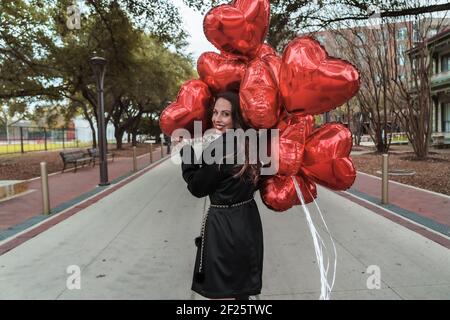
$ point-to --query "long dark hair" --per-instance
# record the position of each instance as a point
(246, 170)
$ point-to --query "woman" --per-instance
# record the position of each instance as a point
(229, 256)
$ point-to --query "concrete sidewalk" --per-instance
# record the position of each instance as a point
(137, 243)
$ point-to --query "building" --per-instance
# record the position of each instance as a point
(440, 83)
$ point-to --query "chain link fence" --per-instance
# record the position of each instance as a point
(21, 139)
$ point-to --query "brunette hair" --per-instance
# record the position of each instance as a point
(246, 170)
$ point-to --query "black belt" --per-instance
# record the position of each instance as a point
(231, 205)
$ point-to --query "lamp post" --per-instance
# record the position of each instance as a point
(98, 65)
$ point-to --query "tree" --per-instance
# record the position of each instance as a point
(40, 57)
(369, 49)
(410, 88)
(395, 90)
(153, 78)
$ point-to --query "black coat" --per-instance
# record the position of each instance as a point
(229, 256)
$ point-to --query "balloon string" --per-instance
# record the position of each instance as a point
(326, 288)
(331, 239)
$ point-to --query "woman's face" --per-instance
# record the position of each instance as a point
(222, 118)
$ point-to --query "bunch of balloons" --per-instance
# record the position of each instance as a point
(282, 92)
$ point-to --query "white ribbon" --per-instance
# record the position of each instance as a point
(325, 287)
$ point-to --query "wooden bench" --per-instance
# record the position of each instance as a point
(75, 157)
(95, 154)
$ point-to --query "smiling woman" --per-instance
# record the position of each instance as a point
(229, 256)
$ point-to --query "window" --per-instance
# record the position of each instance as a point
(402, 33)
(401, 55)
(446, 117)
(433, 117)
(445, 62)
(416, 35)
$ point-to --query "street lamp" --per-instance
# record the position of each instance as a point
(98, 65)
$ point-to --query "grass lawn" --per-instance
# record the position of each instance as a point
(37, 146)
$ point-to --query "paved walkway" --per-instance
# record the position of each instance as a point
(429, 209)
(65, 190)
(137, 243)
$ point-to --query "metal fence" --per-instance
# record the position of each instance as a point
(18, 139)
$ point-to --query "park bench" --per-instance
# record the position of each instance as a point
(94, 153)
(75, 157)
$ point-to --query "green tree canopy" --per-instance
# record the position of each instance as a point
(41, 59)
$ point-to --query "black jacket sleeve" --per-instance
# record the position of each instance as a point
(261, 180)
(201, 179)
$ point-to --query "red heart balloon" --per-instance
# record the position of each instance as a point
(232, 56)
(306, 121)
(293, 133)
(274, 62)
(326, 158)
(270, 56)
(238, 28)
(311, 82)
(192, 103)
(259, 97)
(220, 73)
(278, 192)
(264, 50)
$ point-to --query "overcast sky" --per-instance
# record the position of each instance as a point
(193, 24)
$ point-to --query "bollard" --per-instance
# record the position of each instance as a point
(45, 193)
(151, 152)
(162, 149)
(385, 180)
(45, 139)
(134, 160)
(21, 140)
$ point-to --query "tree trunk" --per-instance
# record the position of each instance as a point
(381, 147)
(118, 134)
(357, 121)
(94, 138)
